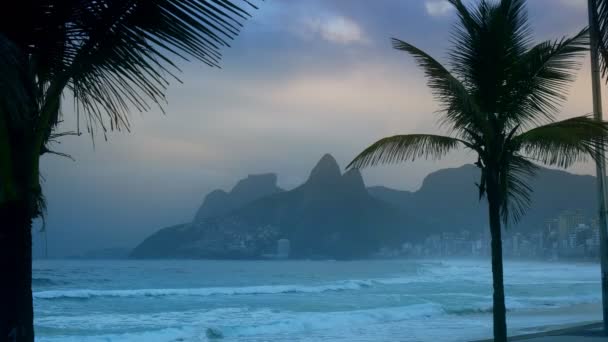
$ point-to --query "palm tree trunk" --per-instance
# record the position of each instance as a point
(600, 165)
(499, 309)
(17, 207)
(16, 309)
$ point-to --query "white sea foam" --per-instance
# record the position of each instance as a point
(205, 291)
(515, 273)
(156, 335)
(276, 323)
(243, 324)
(244, 321)
(191, 326)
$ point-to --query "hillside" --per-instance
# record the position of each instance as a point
(331, 215)
(448, 199)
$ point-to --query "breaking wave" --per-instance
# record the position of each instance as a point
(205, 291)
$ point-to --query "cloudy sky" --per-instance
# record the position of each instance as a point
(303, 79)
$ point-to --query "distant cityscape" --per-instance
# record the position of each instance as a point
(571, 235)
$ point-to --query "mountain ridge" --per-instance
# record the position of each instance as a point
(334, 215)
(328, 216)
(453, 191)
(220, 202)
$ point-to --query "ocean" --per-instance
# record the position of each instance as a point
(376, 300)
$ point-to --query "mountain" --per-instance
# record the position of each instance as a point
(220, 202)
(213, 238)
(331, 215)
(448, 199)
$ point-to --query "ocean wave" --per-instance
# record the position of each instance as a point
(205, 291)
(537, 301)
(516, 273)
(276, 323)
(486, 307)
(344, 285)
(246, 324)
(471, 311)
(401, 280)
(522, 303)
(153, 335)
(46, 282)
(234, 323)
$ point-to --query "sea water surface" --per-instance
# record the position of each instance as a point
(379, 300)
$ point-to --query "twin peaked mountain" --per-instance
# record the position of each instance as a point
(333, 215)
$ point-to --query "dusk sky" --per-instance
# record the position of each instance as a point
(303, 79)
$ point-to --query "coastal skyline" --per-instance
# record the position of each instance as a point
(299, 82)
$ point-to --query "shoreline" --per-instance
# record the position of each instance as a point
(554, 330)
(576, 318)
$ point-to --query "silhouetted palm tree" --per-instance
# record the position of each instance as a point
(598, 27)
(499, 100)
(109, 57)
(598, 21)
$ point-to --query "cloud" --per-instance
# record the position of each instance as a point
(334, 29)
(437, 8)
(578, 4)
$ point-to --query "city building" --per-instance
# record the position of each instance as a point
(567, 221)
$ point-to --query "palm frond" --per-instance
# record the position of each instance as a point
(461, 111)
(487, 43)
(401, 148)
(599, 23)
(563, 143)
(469, 21)
(516, 190)
(541, 78)
(128, 65)
(118, 56)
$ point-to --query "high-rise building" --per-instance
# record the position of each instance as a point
(551, 224)
(567, 222)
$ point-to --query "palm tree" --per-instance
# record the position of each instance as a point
(598, 27)
(499, 100)
(110, 57)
